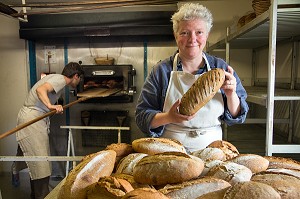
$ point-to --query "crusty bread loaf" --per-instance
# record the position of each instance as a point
(127, 164)
(131, 180)
(194, 188)
(255, 163)
(229, 149)
(209, 165)
(231, 172)
(251, 190)
(286, 185)
(203, 90)
(292, 172)
(144, 193)
(108, 187)
(121, 149)
(282, 163)
(167, 168)
(152, 146)
(87, 172)
(214, 195)
(210, 154)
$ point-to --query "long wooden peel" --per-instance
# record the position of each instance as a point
(95, 94)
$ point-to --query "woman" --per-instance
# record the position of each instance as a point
(157, 109)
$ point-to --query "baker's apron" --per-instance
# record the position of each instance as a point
(205, 127)
(34, 141)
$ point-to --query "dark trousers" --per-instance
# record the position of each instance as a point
(39, 188)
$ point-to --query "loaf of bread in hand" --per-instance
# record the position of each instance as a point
(202, 91)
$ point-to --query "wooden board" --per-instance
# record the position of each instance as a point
(54, 193)
(98, 92)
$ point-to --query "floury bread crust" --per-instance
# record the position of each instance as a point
(255, 163)
(202, 91)
(251, 190)
(167, 168)
(194, 188)
(144, 193)
(87, 172)
(153, 146)
(108, 187)
(229, 149)
(127, 164)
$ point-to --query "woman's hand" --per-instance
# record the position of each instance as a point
(172, 116)
(229, 87)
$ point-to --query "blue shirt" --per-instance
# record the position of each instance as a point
(152, 97)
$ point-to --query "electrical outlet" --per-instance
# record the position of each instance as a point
(50, 54)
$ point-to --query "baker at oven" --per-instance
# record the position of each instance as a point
(157, 108)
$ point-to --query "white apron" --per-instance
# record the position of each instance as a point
(205, 127)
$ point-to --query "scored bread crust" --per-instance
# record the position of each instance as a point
(202, 91)
(153, 146)
(167, 168)
(87, 172)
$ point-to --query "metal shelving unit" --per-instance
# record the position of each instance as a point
(279, 24)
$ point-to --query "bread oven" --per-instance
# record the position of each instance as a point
(117, 77)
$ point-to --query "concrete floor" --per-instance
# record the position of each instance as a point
(8, 191)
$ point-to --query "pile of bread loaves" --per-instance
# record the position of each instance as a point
(161, 168)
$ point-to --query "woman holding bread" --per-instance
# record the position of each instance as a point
(157, 111)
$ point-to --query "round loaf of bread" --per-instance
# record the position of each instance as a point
(286, 185)
(229, 149)
(87, 172)
(251, 190)
(210, 154)
(127, 164)
(202, 91)
(255, 163)
(167, 168)
(194, 188)
(108, 187)
(231, 172)
(282, 163)
(152, 146)
(144, 193)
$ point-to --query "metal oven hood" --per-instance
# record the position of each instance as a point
(130, 25)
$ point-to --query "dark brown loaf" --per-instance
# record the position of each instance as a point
(203, 90)
(167, 168)
(87, 172)
(251, 190)
(194, 188)
(152, 146)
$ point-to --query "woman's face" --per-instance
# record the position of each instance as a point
(191, 38)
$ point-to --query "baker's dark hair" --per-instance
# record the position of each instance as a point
(72, 69)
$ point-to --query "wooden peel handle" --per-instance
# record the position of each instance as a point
(39, 118)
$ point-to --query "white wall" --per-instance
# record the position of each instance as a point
(13, 84)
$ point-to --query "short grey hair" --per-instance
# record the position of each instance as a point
(191, 11)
